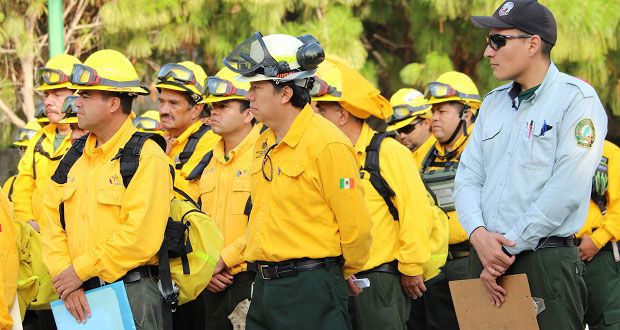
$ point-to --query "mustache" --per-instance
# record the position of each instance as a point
(166, 116)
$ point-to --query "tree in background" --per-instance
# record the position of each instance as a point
(394, 43)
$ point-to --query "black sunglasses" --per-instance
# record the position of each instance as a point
(409, 128)
(497, 41)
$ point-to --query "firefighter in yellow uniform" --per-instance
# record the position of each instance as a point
(180, 96)
(412, 122)
(455, 100)
(309, 229)
(598, 243)
(8, 262)
(48, 146)
(108, 231)
(224, 192)
(402, 221)
(21, 140)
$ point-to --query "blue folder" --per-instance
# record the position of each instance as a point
(109, 308)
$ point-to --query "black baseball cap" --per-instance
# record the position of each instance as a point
(528, 16)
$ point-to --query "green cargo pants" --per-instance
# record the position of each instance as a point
(384, 305)
(312, 300)
(145, 302)
(602, 279)
(556, 276)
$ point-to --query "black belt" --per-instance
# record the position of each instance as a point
(244, 277)
(132, 276)
(388, 267)
(276, 270)
(459, 250)
(555, 241)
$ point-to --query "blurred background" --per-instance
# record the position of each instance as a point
(393, 43)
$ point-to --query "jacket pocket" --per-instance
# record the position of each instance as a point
(286, 189)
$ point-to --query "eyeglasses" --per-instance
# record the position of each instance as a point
(217, 86)
(265, 159)
(147, 124)
(68, 106)
(179, 74)
(497, 41)
(440, 90)
(320, 88)
(409, 128)
(50, 76)
(83, 75)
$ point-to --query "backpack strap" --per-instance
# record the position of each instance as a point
(130, 153)
(60, 175)
(372, 167)
(190, 147)
(11, 188)
(204, 162)
(38, 147)
(248, 207)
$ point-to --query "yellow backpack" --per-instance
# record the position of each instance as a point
(34, 284)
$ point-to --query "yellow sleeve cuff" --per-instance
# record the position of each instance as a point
(410, 269)
(231, 257)
(600, 237)
(83, 269)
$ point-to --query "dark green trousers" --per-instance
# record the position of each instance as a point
(384, 305)
(220, 304)
(311, 300)
(602, 279)
(555, 275)
(191, 315)
(435, 311)
(39, 320)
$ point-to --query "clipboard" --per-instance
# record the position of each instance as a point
(475, 312)
(109, 308)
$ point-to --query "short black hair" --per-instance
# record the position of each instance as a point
(126, 100)
(301, 95)
(546, 49)
(245, 105)
(190, 101)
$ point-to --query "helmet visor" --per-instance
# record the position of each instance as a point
(24, 134)
(50, 76)
(252, 57)
(179, 74)
(440, 90)
(221, 87)
(39, 112)
(68, 106)
(147, 124)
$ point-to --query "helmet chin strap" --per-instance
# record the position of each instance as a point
(462, 123)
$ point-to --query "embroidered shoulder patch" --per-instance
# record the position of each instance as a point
(585, 133)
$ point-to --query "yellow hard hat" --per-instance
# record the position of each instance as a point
(453, 86)
(40, 114)
(223, 86)
(107, 70)
(149, 121)
(23, 136)
(70, 110)
(56, 72)
(280, 57)
(184, 76)
(350, 89)
(409, 105)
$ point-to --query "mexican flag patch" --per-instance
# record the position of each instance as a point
(347, 183)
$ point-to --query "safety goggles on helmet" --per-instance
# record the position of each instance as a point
(321, 88)
(217, 86)
(497, 41)
(83, 75)
(68, 106)
(178, 73)
(405, 111)
(50, 76)
(147, 124)
(440, 90)
(23, 135)
(39, 112)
